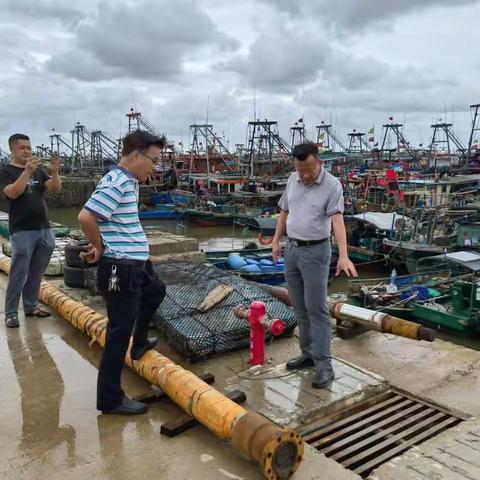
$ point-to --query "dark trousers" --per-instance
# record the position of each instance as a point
(129, 309)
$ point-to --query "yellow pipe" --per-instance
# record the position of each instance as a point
(278, 451)
(380, 321)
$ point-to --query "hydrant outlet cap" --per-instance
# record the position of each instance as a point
(277, 327)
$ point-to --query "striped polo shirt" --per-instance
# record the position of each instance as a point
(115, 203)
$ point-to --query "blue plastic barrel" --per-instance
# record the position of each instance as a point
(266, 262)
(251, 268)
(236, 261)
(268, 268)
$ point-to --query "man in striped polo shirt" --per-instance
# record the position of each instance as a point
(126, 279)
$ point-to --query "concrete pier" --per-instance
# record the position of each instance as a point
(51, 430)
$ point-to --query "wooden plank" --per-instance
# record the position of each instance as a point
(185, 422)
(361, 423)
(372, 428)
(158, 394)
(382, 434)
(316, 430)
(347, 332)
(392, 440)
(449, 422)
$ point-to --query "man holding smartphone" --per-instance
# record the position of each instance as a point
(24, 182)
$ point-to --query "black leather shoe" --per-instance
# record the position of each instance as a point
(323, 378)
(128, 407)
(136, 353)
(299, 362)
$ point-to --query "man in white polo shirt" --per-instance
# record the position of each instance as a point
(311, 204)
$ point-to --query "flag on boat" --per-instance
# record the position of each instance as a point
(371, 135)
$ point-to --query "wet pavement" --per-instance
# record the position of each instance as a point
(441, 371)
(51, 429)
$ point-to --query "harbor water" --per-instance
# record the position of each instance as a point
(226, 237)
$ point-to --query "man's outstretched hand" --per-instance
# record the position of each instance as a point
(346, 265)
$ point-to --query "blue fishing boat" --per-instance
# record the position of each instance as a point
(160, 212)
(176, 197)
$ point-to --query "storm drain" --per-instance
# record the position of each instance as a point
(370, 434)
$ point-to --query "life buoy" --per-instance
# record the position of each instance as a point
(264, 241)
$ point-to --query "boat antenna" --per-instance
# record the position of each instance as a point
(134, 101)
(208, 104)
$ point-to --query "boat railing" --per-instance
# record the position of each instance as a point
(181, 228)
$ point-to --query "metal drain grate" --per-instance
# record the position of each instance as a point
(372, 433)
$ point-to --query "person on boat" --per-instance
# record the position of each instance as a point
(24, 182)
(311, 204)
(126, 278)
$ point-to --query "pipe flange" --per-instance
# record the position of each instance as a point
(282, 455)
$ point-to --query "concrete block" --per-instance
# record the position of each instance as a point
(164, 244)
(288, 399)
(190, 256)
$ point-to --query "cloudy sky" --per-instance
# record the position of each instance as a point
(352, 62)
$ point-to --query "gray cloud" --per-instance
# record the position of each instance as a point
(38, 10)
(91, 61)
(280, 58)
(150, 40)
(347, 15)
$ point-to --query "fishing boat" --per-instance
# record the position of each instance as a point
(209, 218)
(211, 214)
(266, 224)
(374, 191)
(160, 212)
(392, 294)
(253, 250)
(444, 294)
(366, 233)
(176, 197)
(458, 308)
(434, 231)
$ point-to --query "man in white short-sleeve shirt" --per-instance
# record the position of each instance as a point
(310, 206)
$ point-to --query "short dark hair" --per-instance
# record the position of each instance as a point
(15, 137)
(141, 140)
(303, 150)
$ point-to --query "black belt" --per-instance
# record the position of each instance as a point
(124, 261)
(306, 243)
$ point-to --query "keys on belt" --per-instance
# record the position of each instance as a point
(114, 281)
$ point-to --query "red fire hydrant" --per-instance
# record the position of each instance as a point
(259, 321)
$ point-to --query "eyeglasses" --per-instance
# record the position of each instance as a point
(154, 160)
